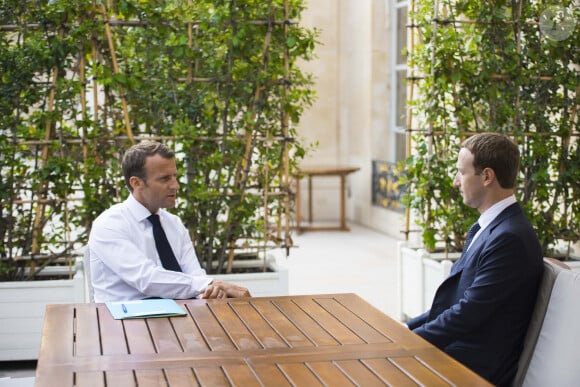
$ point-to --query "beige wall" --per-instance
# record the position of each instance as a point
(350, 118)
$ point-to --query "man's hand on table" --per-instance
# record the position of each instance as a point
(220, 289)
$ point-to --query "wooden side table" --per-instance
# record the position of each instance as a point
(310, 172)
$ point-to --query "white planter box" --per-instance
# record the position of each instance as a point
(273, 283)
(420, 274)
(22, 308)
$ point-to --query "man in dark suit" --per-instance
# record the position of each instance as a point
(481, 312)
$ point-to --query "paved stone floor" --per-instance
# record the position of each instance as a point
(361, 261)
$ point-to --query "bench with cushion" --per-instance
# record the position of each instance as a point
(551, 354)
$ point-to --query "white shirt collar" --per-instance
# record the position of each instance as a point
(491, 213)
(139, 211)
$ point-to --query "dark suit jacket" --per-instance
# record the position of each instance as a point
(481, 312)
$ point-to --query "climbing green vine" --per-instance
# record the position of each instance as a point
(81, 81)
(488, 66)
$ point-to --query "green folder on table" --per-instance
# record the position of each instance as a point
(162, 307)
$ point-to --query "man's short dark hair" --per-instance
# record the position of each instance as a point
(495, 151)
(133, 163)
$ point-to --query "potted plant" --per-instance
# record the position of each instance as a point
(82, 81)
(482, 67)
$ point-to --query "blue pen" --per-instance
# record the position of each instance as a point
(124, 308)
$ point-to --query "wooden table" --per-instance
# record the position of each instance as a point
(308, 340)
(310, 172)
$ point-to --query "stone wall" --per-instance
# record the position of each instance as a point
(350, 119)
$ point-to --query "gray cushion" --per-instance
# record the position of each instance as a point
(555, 360)
(551, 271)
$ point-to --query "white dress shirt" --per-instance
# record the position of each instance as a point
(124, 261)
(491, 213)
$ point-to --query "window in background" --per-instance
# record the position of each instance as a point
(399, 83)
(386, 191)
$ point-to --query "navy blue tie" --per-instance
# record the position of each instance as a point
(470, 234)
(458, 265)
(166, 255)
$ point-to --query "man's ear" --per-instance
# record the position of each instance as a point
(488, 176)
(135, 182)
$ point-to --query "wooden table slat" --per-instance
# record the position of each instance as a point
(57, 340)
(331, 324)
(150, 378)
(182, 377)
(241, 375)
(125, 378)
(211, 376)
(330, 374)
(234, 327)
(360, 373)
(48, 376)
(300, 375)
(210, 328)
(163, 335)
(270, 374)
(352, 321)
(138, 336)
(88, 337)
(391, 329)
(305, 323)
(285, 328)
(388, 372)
(91, 379)
(189, 335)
(421, 374)
(448, 367)
(268, 337)
(114, 341)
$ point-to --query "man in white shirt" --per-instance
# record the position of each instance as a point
(124, 260)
